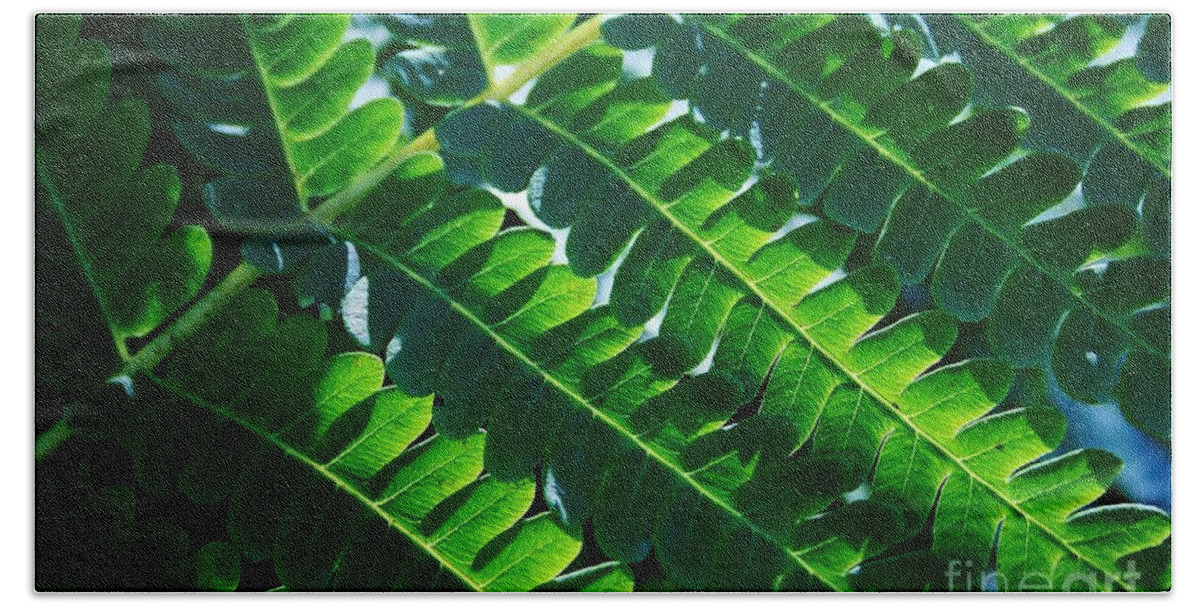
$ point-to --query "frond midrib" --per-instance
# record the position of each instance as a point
(574, 395)
(1105, 124)
(477, 38)
(153, 352)
(323, 471)
(276, 120)
(916, 174)
(85, 264)
(864, 386)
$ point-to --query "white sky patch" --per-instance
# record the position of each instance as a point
(833, 277)
(369, 29)
(604, 280)
(125, 382)
(501, 72)
(928, 33)
(1073, 202)
(393, 348)
(678, 108)
(604, 287)
(754, 135)
(1015, 156)
(707, 363)
(862, 492)
(278, 255)
(797, 220)
(226, 129)
(966, 112)
(1125, 47)
(638, 64)
(1162, 98)
(374, 88)
(353, 267)
(520, 95)
(1098, 268)
(355, 311)
(926, 64)
(552, 494)
(651, 327)
(878, 20)
(519, 203)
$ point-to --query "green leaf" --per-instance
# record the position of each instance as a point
(507, 348)
(338, 459)
(908, 153)
(1110, 116)
(218, 567)
(872, 372)
(729, 375)
(1061, 52)
(451, 59)
(112, 212)
(275, 118)
(508, 39)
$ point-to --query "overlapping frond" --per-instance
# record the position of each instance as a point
(1105, 107)
(505, 339)
(703, 340)
(334, 478)
(936, 187)
(102, 217)
(761, 302)
(1122, 97)
(447, 60)
(268, 101)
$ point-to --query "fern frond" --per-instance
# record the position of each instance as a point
(477, 317)
(697, 342)
(856, 392)
(1104, 113)
(1118, 96)
(935, 191)
(452, 59)
(267, 101)
(334, 456)
(102, 217)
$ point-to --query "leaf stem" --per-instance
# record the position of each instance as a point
(244, 274)
(151, 354)
(43, 177)
(158, 348)
(578, 38)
